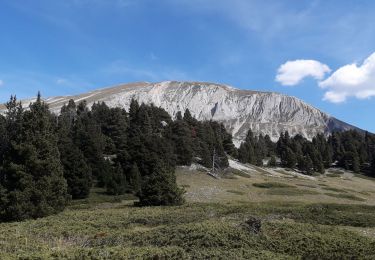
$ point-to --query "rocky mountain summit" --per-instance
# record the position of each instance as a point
(239, 110)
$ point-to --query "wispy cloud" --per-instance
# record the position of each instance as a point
(292, 73)
(155, 73)
(1, 82)
(153, 57)
(25, 84)
(264, 17)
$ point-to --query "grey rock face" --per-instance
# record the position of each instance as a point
(239, 110)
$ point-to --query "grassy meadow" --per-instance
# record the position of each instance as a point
(259, 216)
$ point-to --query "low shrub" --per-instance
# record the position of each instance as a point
(269, 185)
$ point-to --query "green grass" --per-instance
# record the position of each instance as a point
(229, 176)
(336, 171)
(345, 196)
(283, 172)
(236, 192)
(270, 185)
(306, 185)
(260, 170)
(365, 177)
(240, 173)
(334, 175)
(100, 228)
(291, 192)
(98, 196)
(334, 189)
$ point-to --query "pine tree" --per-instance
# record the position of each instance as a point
(243, 153)
(350, 161)
(87, 136)
(179, 116)
(33, 176)
(114, 126)
(181, 137)
(258, 160)
(135, 178)
(372, 171)
(160, 187)
(271, 146)
(272, 161)
(305, 164)
(3, 138)
(246, 152)
(76, 171)
(189, 118)
(206, 155)
(288, 158)
(227, 140)
(356, 164)
(116, 182)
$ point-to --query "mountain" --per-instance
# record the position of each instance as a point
(239, 110)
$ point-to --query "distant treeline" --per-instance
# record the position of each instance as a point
(47, 159)
(351, 150)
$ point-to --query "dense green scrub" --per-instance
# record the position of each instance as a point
(112, 228)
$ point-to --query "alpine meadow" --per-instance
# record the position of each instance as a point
(201, 129)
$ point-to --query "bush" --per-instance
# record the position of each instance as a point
(269, 185)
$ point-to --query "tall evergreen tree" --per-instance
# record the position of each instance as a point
(246, 152)
(288, 158)
(305, 164)
(272, 162)
(228, 145)
(134, 178)
(372, 169)
(32, 175)
(76, 171)
(87, 135)
(181, 136)
(116, 183)
(160, 188)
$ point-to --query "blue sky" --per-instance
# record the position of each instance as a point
(319, 51)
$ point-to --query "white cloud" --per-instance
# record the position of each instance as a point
(1, 82)
(351, 80)
(293, 72)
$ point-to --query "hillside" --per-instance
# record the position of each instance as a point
(246, 216)
(240, 110)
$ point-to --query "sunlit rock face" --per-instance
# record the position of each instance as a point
(239, 110)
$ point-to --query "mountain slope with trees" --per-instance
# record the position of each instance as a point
(47, 159)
